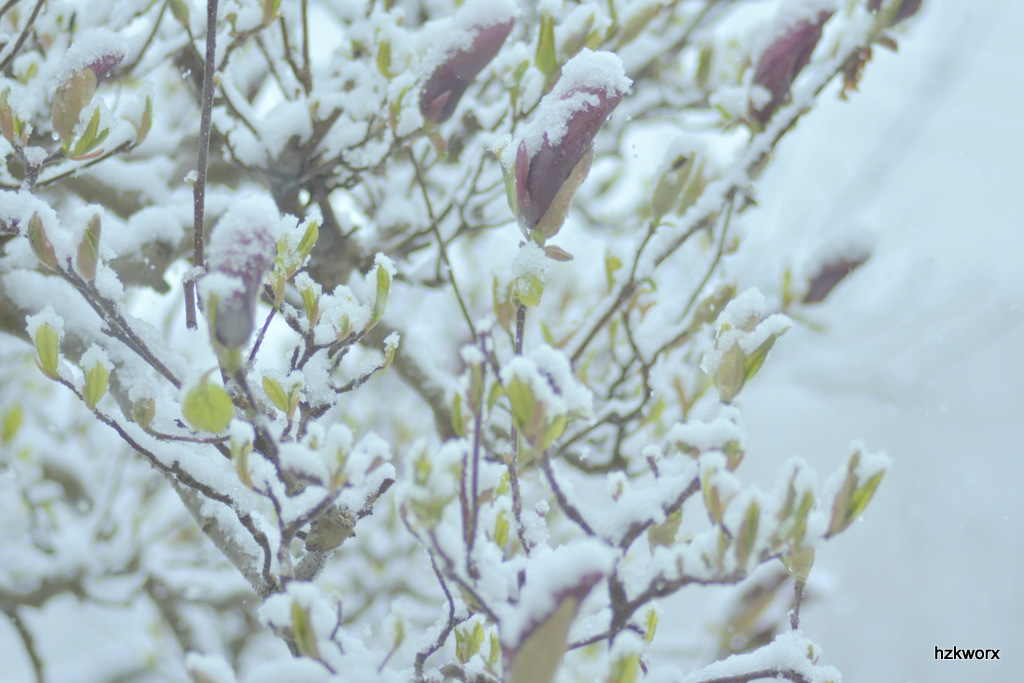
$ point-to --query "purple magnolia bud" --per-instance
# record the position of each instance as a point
(907, 8)
(554, 151)
(781, 62)
(474, 40)
(242, 249)
(98, 50)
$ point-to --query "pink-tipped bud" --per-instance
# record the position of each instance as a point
(241, 251)
(460, 64)
(554, 152)
(781, 62)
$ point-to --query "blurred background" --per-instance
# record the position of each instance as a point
(922, 352)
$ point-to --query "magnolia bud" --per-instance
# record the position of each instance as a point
(462, 61)
(553, 155)
(241, 250)
(87, 62)
(779, 65)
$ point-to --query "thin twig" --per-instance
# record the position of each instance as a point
(23, 36)
(441, 246)
(570, 510)
(513, 458)
(28, 643)
(423, 655)
(202, 162)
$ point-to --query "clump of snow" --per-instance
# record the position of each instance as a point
(740, 323)
(550, 576)
(341, 309)
(220, 285)
(705, 436)
(790, 651)
(91, 47)
(47, 316)
(246, 233)
(382, 260)
(316, 383)
(530, 261)
(457, 34)
(241, 432)
(209, 668)
(548, 374)
(94, 356)
(585, 80)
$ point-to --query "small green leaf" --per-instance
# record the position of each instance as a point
(310, 304)
(501, 529)
(207, 407)
(384, 59)
(704, 62)
(240, 451)
(458, 422)
(309, 239)
(180, 11)
(528, 289)
(390, 348)
(47, 347)
(10, 424)
(747, 535)
(731, 373)
(755, 360)
(664, 534)
(495, 651)
(546, 59)
(380, 303)
(143, 126)
(611, 264)
(72, 96)
(538, 656)
(553, 431)
(275, 392)
(143, 411)
(853, 497)
(522, 402)
(88, 249)
(476, 639)
(40, 243)
(302, 630)
(96, 381)
(626, 669)
(91, 137)
(798, 563)
(651, 622)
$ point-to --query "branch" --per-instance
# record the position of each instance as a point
(28, 642)
(199, 191)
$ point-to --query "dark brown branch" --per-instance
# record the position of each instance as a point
(202, 162)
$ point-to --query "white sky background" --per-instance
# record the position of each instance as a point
(922, 358)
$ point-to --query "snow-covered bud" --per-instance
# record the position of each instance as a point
(779, 65)
(554, 152)
(899, 9)
(86, 63)
(478, 33)
(534, 638)
(241, 251)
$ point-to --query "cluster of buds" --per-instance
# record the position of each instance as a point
(779, 65)
(550, 159)
(92, 58)
(478, 33)
(242, 249)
